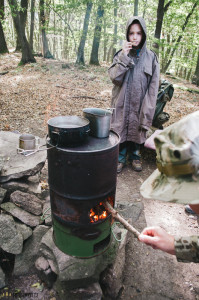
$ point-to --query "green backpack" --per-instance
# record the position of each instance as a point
(165, 93)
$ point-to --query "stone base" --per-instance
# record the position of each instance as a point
(80, 278)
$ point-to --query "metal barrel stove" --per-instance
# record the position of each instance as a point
(80, 179)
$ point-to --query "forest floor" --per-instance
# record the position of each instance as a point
(32, 94)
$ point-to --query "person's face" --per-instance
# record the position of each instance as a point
(135, 35)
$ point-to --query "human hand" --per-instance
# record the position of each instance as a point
(127, 46)
(158, 238)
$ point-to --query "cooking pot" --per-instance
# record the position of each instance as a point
(68, 131)
(27, 142)
(100, 121)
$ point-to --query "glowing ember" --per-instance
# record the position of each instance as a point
(98, 213)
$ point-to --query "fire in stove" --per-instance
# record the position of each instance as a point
(99, 212)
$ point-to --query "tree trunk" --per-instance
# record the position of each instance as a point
(45, 49)
(115, 28)
(32, 23)
(27, 55)
(94, 60)
(195, 78)
(23, 18)
(158, 29)
(145, 7)
(136, 8)
(105, 41)
(109, 53)
(3, 45)
(80, 52)
(180, 37)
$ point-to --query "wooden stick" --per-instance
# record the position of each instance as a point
(121, 219)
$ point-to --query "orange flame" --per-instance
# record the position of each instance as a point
(98, 213)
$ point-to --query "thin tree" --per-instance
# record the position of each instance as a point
(45, 49)
(195, 78)
(179, 38)
(160, 15)
(136, 8)
(32, 21)
(94, 60)
(27, 55)
(23, 18)
(80, 52)
(3, 45)
(115, 27)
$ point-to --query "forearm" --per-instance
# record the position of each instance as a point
(187, 248)
(118, 69)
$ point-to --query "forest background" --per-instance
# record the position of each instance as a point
(90, 32)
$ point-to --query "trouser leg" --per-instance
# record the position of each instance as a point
(122, 153)
(134, 151)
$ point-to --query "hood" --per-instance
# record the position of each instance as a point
(143, 25)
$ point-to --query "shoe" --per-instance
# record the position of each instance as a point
(120, 166)
(189, 210)
(136, 165)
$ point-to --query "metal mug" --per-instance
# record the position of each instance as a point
(27, 141)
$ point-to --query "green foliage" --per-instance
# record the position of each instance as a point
(66, 19)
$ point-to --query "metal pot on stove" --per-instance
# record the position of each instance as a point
(68, 131)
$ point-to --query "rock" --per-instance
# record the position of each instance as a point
(2, 279)
(133, 212)
(26, 260)
(15, 165)
(42, 264)
(91, 292)
(24, 230)
(28, 202)
(11, 240)
(23, 185)
(2, 194)
(47, 213)
(112, 277)
(45, 272)
(20, 214)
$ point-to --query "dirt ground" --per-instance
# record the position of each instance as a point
(32, 94)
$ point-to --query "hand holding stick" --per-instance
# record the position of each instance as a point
(121, 219)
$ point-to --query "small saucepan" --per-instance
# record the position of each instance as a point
(68, 131)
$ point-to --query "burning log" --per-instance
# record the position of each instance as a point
(121, 219)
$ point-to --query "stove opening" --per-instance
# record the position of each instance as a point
(102, 244)
(99, 212)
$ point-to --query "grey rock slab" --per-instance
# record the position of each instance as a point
(26, 260)
(28, 202)
(2, 194)
(23, 185)
(15, 165)
(131, 211)
(2, 279)
(11, 240)
(21, 214)
(24, 230)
